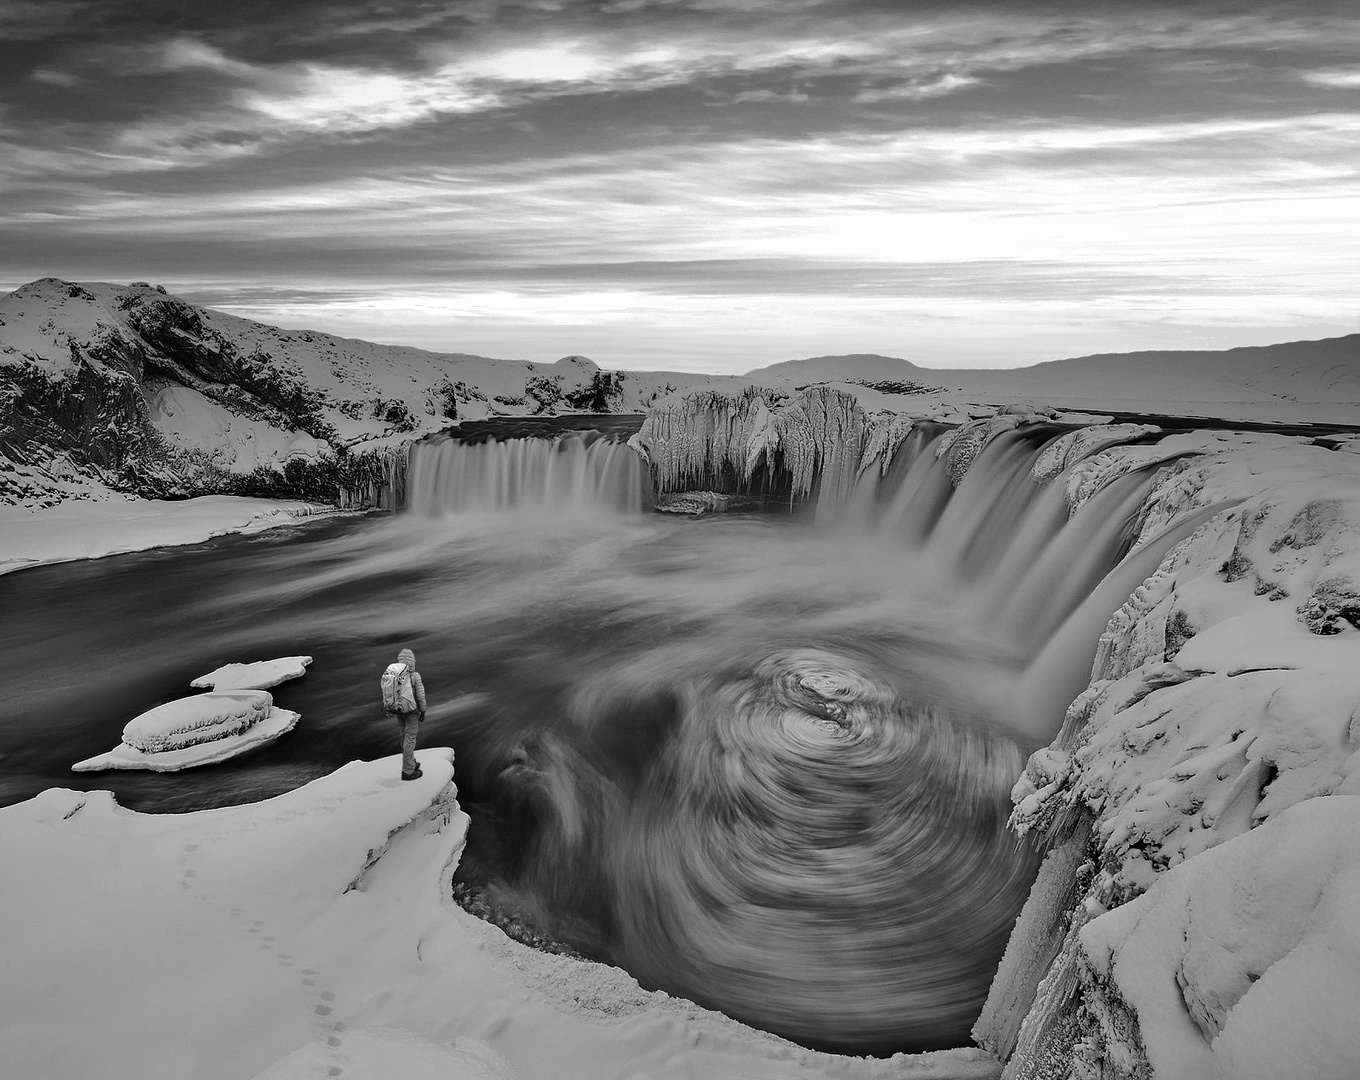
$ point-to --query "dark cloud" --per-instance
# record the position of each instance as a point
(837, 151)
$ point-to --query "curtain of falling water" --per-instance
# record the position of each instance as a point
(758, 765)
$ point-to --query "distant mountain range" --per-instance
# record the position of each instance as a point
(1291, 382)
(128, 388)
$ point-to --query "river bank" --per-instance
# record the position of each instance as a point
(91, 529)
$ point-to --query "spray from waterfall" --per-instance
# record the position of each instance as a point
(784, 761)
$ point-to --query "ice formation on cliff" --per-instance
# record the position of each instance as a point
(1223, 699)
(817, 432)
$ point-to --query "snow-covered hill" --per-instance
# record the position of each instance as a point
(1290, 383)
(132, 389)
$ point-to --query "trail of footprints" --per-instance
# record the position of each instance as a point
(307, 976)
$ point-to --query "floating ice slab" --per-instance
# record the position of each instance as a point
(276, 723)
(259, 675)
(190, 721)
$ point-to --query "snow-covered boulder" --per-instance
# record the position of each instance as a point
(188, 721)
(193, 731)
(258, 675)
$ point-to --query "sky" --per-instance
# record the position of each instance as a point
(702, 185)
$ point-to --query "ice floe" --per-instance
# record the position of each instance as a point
(192, 731)
(258, 675)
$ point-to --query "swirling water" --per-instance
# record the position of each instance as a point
(758, 764)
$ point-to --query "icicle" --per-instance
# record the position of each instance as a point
(1068, 449)
(962, 450)
(887, 432)
(817, 434)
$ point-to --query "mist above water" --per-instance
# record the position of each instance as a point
(761, 764)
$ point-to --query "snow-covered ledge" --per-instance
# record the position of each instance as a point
(1196, 915)
(95, 527)
(313, 934)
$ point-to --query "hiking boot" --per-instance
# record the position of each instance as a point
(413, 775)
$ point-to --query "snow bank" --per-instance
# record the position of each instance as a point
(1245, 962)
(1207, 763)
(257, 675)
(313, 933)
(91, 529)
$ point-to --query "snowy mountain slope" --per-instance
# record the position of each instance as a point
(136, 390)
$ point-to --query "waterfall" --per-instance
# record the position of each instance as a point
(1041, 562)
(572, 474)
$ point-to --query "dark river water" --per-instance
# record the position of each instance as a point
(757, 763)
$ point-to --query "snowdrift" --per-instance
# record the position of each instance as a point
(314, 934)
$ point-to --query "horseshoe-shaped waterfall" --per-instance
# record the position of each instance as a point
(789, 804)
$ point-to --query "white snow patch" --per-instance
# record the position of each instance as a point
(218, 943)
(90, 530)
(190, 721)
(235, 443)
(276, 723)
(388, 1054)
(1244, 963)
(257, 675)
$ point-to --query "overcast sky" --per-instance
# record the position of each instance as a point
(699, 184)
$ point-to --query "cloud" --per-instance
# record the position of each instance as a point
(1345, 79)
(723, 167)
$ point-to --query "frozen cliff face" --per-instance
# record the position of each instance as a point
(712, 440)
(1223, 700)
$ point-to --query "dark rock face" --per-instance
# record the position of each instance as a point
(97, 418)
(92, 415)
(176, 343)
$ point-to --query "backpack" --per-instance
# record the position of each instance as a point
(396, 689)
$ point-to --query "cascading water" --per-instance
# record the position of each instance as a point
(761, 764)
(793, 809)
(573, 473)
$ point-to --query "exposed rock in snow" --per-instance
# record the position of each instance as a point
(257, 675)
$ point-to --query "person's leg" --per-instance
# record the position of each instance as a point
(410, 725)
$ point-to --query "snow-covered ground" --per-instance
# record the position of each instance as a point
(1207, 781)
(91, 528)
(1214, 763)
(313, 935)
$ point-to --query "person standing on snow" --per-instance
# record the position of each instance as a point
(404, 697)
